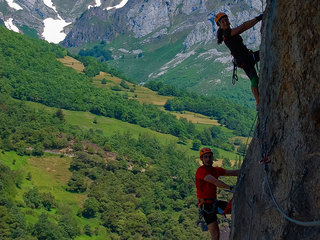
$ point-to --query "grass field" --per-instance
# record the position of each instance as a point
(71, 62)
(196, 118)
(50, 173)
(144, 95)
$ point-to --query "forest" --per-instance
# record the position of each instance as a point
(31, 72)
(146, 191)
(151, 195)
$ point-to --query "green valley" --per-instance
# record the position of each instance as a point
(87, 154)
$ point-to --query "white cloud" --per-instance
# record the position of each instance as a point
(9, 24)
(13, 5)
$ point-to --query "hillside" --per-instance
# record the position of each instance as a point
(173, 43)
(170, 41)
(55, 196)
(281, 199)
(58, 156)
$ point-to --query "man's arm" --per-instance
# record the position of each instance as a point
(211, 179)
(232, 173)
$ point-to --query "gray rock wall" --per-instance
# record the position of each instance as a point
(288, 127)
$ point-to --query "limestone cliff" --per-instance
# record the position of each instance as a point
(288, 129)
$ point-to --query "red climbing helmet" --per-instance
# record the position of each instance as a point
(219, 16)
(205, 150)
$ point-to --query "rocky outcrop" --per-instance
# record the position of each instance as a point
(97, 24)
(288, 130)
(34, 12)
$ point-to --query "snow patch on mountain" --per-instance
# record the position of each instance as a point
(9, 24)
(97, 4)
(120, 5)
(53, 28)
(14, 5)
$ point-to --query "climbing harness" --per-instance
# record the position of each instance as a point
(215, 210)
(202, 223)
(201, 210)
(235, 68)
(235, 72)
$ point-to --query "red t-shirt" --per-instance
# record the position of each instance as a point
(206, 189)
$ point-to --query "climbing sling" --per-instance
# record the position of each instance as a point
(234, 74)
(215, 210)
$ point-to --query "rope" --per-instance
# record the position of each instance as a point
(266, 153)
(251, 216)
(304, 172)
(245, 149)
(301, 223)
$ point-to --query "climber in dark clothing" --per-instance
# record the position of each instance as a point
(243, 57)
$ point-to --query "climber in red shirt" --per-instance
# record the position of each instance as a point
(206, 183)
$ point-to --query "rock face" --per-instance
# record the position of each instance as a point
(159, 17)
(288, 128)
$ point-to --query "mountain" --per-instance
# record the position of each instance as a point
(45, 18)
(171, 41)
(78, 174)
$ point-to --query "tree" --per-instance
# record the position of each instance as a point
(95, 120)
(87, 230)
(77, 183)
(183, 139)
(44, 229)
(38, 150)
(47, 200)
(29, 176)
(60, 115)
(196, 145)
(90, 207)
(5, 219)
(69, 225)
(32, 198)
(77, 146)
(124, 84)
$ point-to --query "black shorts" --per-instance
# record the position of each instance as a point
(248, 65)
(211, 210)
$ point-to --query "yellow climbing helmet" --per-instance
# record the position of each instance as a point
(219, 16)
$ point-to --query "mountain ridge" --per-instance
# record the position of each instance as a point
(147, 26)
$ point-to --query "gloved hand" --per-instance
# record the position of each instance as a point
(259, 18)
(232, 190)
